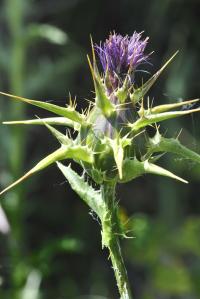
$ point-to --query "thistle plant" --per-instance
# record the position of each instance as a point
(112, 143)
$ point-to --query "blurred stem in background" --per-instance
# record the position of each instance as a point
(15, 17)
(15, 13)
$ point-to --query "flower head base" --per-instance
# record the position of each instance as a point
(121, 55)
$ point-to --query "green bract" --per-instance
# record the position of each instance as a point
(105, 144)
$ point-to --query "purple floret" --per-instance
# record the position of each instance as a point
(119, 54)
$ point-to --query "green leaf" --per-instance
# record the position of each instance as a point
(68, 112)
(134, 168)
(89, 195)
(118, 155)
(118, 144)
(64, 152)
(139, 93)
(102, 100)
(171, 145)
(82, 153)
(55, 156)
(155, 169)
(123, 92)
(148, 118)
(94, 68)
(167, 107)
(63, 139)
(57, 121)
(131, 169)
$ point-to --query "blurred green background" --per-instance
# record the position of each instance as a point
(53, 247)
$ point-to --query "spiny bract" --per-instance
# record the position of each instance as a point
(108, 133)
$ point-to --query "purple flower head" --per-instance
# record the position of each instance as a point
(122, 54)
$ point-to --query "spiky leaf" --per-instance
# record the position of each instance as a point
(64, 152)
(134, 168)
(140, 92)
(167, 107)
(63, 139)
(148, 118)
(118, 144)
(102, 100)
(171, 145)
(56, 121)
(92, 197)
(68, 112)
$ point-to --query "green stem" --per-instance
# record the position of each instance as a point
(110, 239)
(15, 17)
(15, 10)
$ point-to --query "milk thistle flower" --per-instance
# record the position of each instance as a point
(121, 55)
(106, 143)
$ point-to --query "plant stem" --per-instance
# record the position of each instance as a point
(110, 239)
(15, 10)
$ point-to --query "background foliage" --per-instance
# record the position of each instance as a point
(53, 249)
